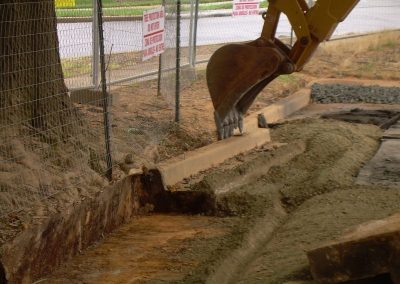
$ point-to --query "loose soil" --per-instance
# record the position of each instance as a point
(144, 134)
(149, 248)
(308, 198)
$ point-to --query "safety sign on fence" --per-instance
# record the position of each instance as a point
(246, 7)
(153, 32)
(65, 3)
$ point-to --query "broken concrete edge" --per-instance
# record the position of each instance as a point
(367, 250)
(191, 163)
(281, 109)
(38, 250)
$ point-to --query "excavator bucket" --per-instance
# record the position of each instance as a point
(236, 73)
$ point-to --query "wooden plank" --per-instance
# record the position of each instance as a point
(193, 162)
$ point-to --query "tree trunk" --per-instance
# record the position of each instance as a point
(32, 90)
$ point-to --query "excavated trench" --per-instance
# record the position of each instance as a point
(251, 219)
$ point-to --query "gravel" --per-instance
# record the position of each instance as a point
(339, 93)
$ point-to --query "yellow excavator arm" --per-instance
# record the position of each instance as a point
(237, 73)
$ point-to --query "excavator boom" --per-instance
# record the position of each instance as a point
(237, 73)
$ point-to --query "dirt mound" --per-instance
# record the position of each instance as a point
(318, 220)
(317, 184)
(275, 203)
(35, 184)
(335, 152)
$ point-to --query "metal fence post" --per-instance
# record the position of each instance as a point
(191, 32)
(104, 91)
(160, 56)
(178, 61)
(159, 75)
(95, 45)
(196, 20)
(291, 36)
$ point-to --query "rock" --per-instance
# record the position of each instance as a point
(129, 159)
(342, 93)
(262, 121)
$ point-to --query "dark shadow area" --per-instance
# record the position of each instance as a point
(380, 279)
(382, 118)
(182, 201)
(3, 279)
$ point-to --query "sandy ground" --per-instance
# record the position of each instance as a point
(293, 197)
(142, 127)
(152, 247)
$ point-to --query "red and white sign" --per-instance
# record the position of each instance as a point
(246, 7)
(153, 32)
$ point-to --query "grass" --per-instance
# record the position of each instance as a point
(373, 56)
(378, 43)
(106, 12)
(129, 11)
(129, 3)
(76, 67)
(130, 8)
(216, 6)
(287, 78)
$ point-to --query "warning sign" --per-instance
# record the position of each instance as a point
(65, 3)
(246, 7)
(153, 32)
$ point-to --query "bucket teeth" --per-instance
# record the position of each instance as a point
(240, 123)
(226, 127)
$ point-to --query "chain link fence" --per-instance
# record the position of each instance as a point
(145, 115)
(123, 37)
(49, 146)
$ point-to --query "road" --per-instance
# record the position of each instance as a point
(124, 36)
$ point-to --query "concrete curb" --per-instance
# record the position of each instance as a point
(191, 163)
(281, 109)
(210, 156)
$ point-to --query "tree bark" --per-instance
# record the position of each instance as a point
(32, 89)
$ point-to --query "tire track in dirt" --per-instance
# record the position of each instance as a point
(334, 152)
(262, 231)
